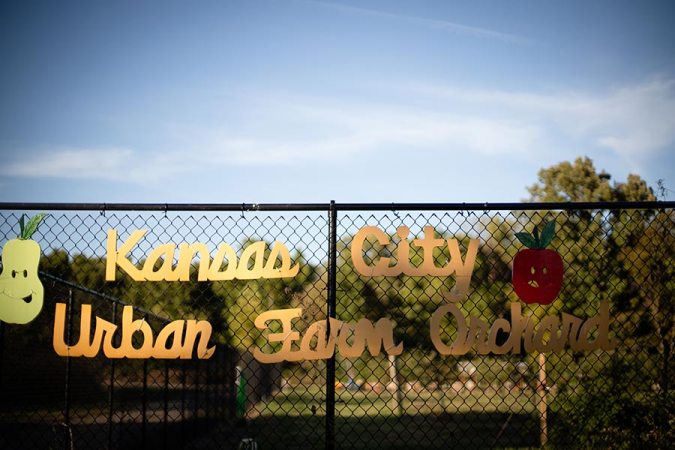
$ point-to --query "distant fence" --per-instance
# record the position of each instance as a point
(99, 402)
(430, 395)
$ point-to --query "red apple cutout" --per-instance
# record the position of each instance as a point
(537, 271)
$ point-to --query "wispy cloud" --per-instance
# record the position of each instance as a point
(71, 163)
(116, 164)
(330, 130)
(634, 122)
(445, 25)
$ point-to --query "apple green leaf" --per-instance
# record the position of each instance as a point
(526, 239)
(547, 234)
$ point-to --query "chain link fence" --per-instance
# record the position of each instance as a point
(423, 396)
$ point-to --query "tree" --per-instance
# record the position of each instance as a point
(571, 182)
(590, 240)
(624, 257)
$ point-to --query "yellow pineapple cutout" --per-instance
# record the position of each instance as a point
(21, 292)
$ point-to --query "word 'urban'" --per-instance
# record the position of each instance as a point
(104, 332)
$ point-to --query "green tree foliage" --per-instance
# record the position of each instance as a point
(56, 263)
(611, 411)
(649, 269)
(624, 257)
(572, 182)
(244, 300)
(589, 240)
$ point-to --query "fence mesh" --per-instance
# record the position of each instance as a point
(418, 397)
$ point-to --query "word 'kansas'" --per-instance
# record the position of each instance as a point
(159, 266)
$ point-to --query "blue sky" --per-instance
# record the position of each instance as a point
(308, 101)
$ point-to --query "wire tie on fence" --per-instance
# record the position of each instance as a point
(396, 214)
(501, 430)
(103, 210)
(166, 209)
(142, 322)
(70, 435)
(242, 210)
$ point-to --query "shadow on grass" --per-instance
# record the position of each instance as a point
(467, 430)
(464, 430)
(127, 436)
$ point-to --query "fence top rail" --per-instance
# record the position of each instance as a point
(252, 207)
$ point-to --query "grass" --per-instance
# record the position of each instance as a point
(296, 418)
(302, 400)
(482, 418)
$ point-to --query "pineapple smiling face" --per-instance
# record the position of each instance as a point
(21, 292)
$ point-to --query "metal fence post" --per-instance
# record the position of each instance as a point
(144, 424)
(111, 390)
(2, 343)
(69, 332)
(166, 404)
(229, 387)
(207, 394)
(182, 404)
(195, 428)
(330, 363)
